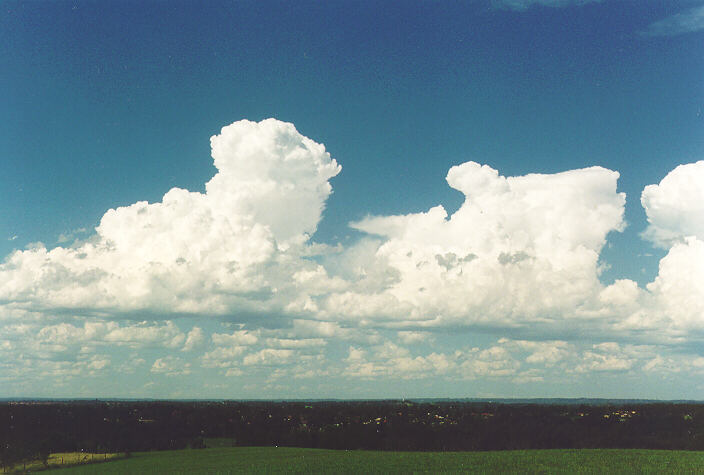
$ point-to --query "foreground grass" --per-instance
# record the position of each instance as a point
(294, 460)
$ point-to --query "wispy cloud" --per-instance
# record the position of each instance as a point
(69, 236)
(687, 21)
(521, 5)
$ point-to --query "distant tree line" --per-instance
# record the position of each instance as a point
(33, 429)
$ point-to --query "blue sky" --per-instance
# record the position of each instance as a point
(541, 285)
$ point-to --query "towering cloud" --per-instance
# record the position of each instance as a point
(675, 210)
(519, 249)
(237, 246)
(520, 252)
(519, 259)
(675, 207)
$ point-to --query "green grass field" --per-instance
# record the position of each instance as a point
(293, 460)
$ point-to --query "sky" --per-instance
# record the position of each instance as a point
(490, 198)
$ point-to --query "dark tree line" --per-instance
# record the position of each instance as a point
(32, 430)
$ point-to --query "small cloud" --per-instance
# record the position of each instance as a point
(290, 343)
(241, 337)
(171, 366)
(222, 357)
(687, 21)
(70, 236)
(410, 337)
(521, 5)
(35, 246)
(269, 357)
(194, 339)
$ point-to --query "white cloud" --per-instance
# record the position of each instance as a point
(678, 290)
(222, 357)
(688, 21)
(493, 362)
(411, 337)
(239, 337)
(311, 328)
(145, 334)
(269, 357)
(672, 308)
(171, 366)
(546, 353)
(391, 361)
(70, 236)
(97, 363)
(292, 343)
(194, 339)
(521, 253)
(355, 354)
(65, 337)
(237, 247)
(519, 249)
(525, 4)
(271, 173)
(64, 333)
(131, 364)
(606, 357)
(675, 207)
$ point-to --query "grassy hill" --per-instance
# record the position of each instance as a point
(294, 460)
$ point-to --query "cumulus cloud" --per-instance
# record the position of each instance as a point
(678, 290)
(520, 256)
(410, 337)
(519, 249)
(171, 366)
(675, 206)
(293, 343)
(194, 339)
(605, 357)
(673, 306)
(269, 357)
(237, 246)
(688, 21)
(68, 339)
(146, 334)
(517, 361)
(222, 357)
(239, 337)
(503, 360)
